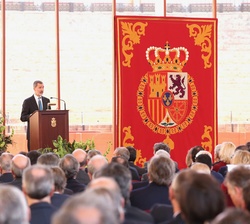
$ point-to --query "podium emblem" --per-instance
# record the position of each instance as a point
(53, 122)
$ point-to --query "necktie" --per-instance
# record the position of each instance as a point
(40, 105)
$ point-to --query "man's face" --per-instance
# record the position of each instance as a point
(235, 194)
(39, 89)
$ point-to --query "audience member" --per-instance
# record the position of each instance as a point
(49, 159)
(144, 178)
(206, 158)
(109, 184)
(81, 157)
(246, 195)
(123, 152)
(120, 159)
(60, 180)
(235, 181)
(18, 164)
(38, 187)
(200, 168)
(179, 180)
(190, 157)
(200, 199)
(33, 155)
(70, 166)
(232, 216)
(93, 206)
(216, 153)
(160, 173)
(13, 206)
(5, 167)
(163, 147)
(240, 157)
(96, 163)
(132, 159)
(92, 153)
(226, 151)
(122, 176)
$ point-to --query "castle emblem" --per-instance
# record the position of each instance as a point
(167, 99)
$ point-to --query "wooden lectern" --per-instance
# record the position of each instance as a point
(45, 126)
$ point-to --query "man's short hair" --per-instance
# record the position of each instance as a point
(101, 202)
(121, 175)
(38, 181)
(13, 205)
(35, 83)
(60, 179)
(122, 151)
(204, 158)
(161, 170)
(48, 159)
(132, 152)
(161, 145)
(69, 165)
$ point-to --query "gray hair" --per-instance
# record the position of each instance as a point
(18, 169)
(69, 165)
(48, 159)
(13, 206)
(38, 181)
(161, 170)
(103, 201)
(5, 161)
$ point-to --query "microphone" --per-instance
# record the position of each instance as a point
(55, 98)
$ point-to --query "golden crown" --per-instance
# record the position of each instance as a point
(167, 59)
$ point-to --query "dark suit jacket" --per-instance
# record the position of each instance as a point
(217, 176)
(83, 177)
(136, 215)
(176, 220)
(41, 213)
(17, 183)
(6, 177)
(162, 213)
(134, 173)
(29, 107)
(145, 197)
(58, 199)
(140, 170)
(139, 184)
(75, 185)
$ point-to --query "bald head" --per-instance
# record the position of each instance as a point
(95, 164)
(81, 156)
(104, 182)
(18, 164)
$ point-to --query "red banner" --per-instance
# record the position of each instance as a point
(166, 84)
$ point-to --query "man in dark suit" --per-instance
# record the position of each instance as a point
(161, 171)
(123, 178)
(132, 158)
(81, 157)
(38, 187)
(70, 166)
(5, 167)
(31, 104)
(58, 198)
(18, 164)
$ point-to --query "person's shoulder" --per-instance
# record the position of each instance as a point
(45, 98)
(29, 98)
